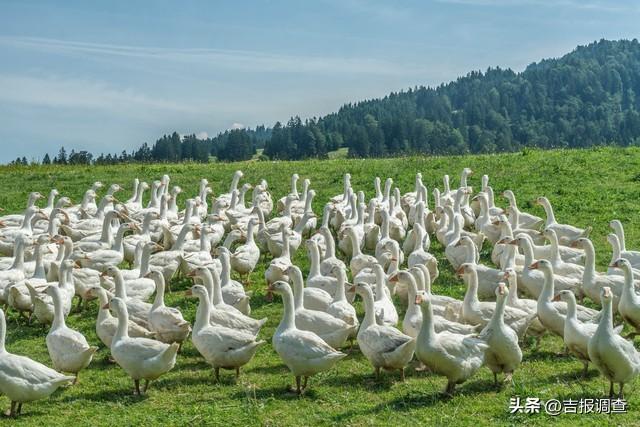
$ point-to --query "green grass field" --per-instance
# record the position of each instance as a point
(585, 187)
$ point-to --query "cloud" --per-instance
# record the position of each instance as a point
(238, 60)
(622, 6)
(202, 135)
(237, 126)
(54, 92)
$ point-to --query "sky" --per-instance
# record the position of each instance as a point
(108, 76)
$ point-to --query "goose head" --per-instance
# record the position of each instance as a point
(280, 288)
(605, 294)
(541, 264)
(502, 291)
(465, 269)
(111, 271)
(564, 295)
(116, 304)
(197, 291)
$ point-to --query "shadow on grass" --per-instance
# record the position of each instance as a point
(282, 392)
(123, 396)
(402, 403)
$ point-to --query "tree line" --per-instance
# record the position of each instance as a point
(588, 97)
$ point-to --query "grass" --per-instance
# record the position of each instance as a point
(586, 188)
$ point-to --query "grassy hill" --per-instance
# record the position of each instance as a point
(587, 187)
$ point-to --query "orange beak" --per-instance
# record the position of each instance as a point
(556, 298)
(534, 266)
(188, 293)
(106, 306)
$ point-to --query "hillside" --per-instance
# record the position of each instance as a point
(588, 97)
(586, 187)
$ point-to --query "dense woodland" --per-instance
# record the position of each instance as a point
(588, 97)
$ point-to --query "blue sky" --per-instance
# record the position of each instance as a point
(108, 76)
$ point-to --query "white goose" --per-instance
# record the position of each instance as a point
(525, 220)
(384, 346)
(629, 302)
(24, 380)
(166, 323)
(304, 352)
(106, 324)
(68, 348)
(314, 298)
(632, 256)
(316, 279)
(246, 256)
(359, 261)
(232, 290)
(566, 233)
(141, 358)
(616, 358)
(138, 311)
(220, 346)
(504, 353)
(454, 356)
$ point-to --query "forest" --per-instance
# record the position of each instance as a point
(588, 97)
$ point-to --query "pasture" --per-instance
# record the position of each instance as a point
(586, 188)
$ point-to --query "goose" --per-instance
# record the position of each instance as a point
(576, 333)
(106, 324)
(477, 312)
(221, 347)
(7, 263)
(455, 356)
(345, 243)
(488, 278)
(566, 233)
(302, 351)
(68, 348)
(104, 258)
(245, 258)
(530, 306)
(223, 314)
(397, 226)
(384, 309)
(316, 279)
(137, 310)
(170, 261)
(410, 199)
(344, 196)
(561, 267)
(474, 204)
(166, 323)
(24, 380)
(629, 302)
(332, 330)
(15, 220)
(592, 280)
(15, 273)
(304, 205)
(384, 346)
(615, 254)
(131, 242)
(314, 298)
(282, 202)
(532, 280)
(43, 306)
(276, 271)
(141, 358)
(548, 312)
(102, 240)
(317, 237)
(409, 243)
(226, 197)
(359, 261)
(420, 256)
(387, 248)
(504, 353)
(467, 214)
(369, 275)
(412, 320)
(456, 255)
(18, 296)
(274, 224)
(485, 221)
(536, 236)
(263, 198)
(134, 204)
(89, 226)
(616, 358)
(525, 219)
(340, 308)
(274, 243)
(330, 260)
(8, 236)
(232, 291)
(191, 260)
(419, 211)
(632, 256)
(370, 228)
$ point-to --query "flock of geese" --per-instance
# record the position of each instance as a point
(543, 268)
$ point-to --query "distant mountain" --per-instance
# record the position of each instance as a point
(588, 97)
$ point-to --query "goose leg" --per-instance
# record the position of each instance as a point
(610, 389)
(76, 379)
(146, 386)
(19, 411)
(11, 412)
(237, 373)
(377, 372)
(216, 371)
(402, 374)
(495, 379)
(450, 388)
(585, 371)
(137, 387)
(298, 389)
(508, 377)
(304, 384)
(621, 395)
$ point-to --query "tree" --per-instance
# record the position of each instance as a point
(46, 160)
(61, 159)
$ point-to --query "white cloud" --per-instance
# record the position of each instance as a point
(621, 6)
(202, 135)
(238, 60)
(55, 92)
(237, 126)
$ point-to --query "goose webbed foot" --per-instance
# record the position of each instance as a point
(11, 412)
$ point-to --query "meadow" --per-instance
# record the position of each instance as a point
(586, 188)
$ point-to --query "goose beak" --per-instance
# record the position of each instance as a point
(556, 298)
(505, 276)
(188, 293)
(191, 273)
(351, 289)
(574, 244)
(501, 288)
(270, 287)
(105, 307)
(394, 278)
(460, 271)
(534, 266)
(419, 299)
